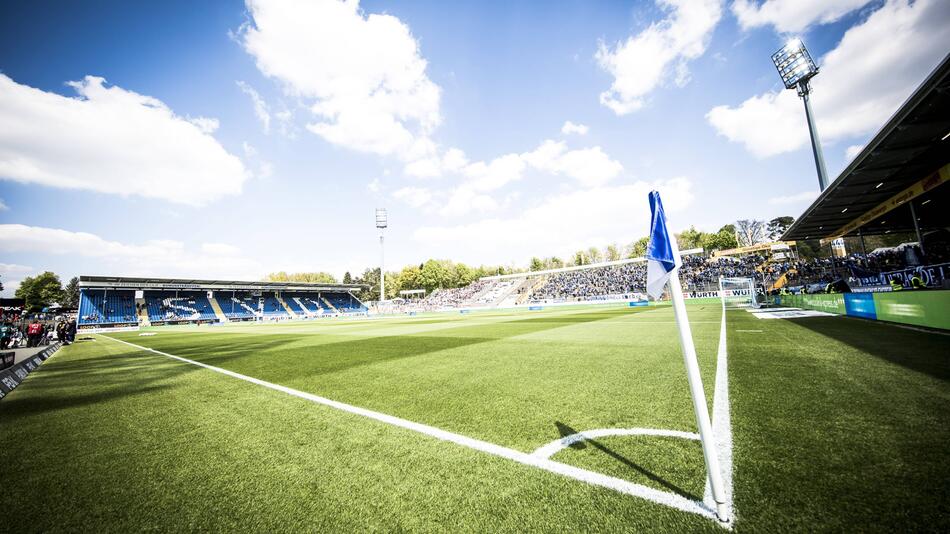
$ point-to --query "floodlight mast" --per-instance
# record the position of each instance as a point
(796, 67)
(381, 223)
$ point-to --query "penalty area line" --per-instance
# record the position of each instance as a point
(595, 479)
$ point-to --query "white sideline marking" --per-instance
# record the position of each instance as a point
(722, 425)
(557, 445)
(595, 479)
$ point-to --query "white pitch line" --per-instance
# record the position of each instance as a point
(549, 450)
(722, 425)
(595, 479)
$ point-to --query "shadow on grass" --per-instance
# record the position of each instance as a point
(565, 430)
(266, 357)
(924, 352)
(70, 383)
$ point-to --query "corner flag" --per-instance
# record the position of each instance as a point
(663, 259)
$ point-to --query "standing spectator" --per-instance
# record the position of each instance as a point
(33, 333)
(71, 331)
(6, 335)
(61, 331)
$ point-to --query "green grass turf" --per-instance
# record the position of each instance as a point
(839, 424)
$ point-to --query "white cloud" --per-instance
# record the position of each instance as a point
(465, 199)
(452, 161)
(874, 68)
(3, 205)
(113, 141)
(219, 249)
(591, 167)
(495, 174)
(571, 128)
(166, 258)
(646, 60)
(205, 124)
(852, 151)
(415, 197)
(363, 75)
(560, 223)
(374, 186)
(798, 198)
(264, 168)
(261, 109)
(14, 268)
(792, 15)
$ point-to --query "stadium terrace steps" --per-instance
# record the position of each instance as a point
(478, 296)
(305, 310)
(780, 283)
(216, 306)
(142, 308)
(535, 285)
(243, 304)
(329, 305)
(283, 303)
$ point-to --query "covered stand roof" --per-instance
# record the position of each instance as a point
(907, 159)
(120, 282)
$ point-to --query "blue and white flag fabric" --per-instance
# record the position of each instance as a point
(662, 253)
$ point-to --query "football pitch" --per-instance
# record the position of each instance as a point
(457, 422)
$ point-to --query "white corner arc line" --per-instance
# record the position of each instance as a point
(595, 479)
(722, 424)
(549, 450)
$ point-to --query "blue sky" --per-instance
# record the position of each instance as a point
(228, 140)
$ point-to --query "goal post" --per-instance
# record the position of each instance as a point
(738, 293)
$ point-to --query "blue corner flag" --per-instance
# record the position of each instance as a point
(662, 254)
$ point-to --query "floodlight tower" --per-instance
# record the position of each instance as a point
(381, 223)
(796, 67)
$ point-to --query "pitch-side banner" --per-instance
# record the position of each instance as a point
(932, 276)
(716, 294)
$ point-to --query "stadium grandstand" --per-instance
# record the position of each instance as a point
(120, 302)
(895, 185)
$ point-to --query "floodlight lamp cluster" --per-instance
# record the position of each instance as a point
(795, 65)
(381, 218)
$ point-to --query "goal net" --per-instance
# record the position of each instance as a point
(738, 292)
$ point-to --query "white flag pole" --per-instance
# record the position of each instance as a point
(699, 396)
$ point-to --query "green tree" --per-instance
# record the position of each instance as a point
(347, 278)
(612, 253)
(536, 264)
(690, 238)
(309, 278)
(71, 293)
(594, 255)
(722, 240)
(40, 291)
(370, 279)
(731, 228)
(434, 275)
(554, 262)
(777, 226)
(580, 258)
(638, 248)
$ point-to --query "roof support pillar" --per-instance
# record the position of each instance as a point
(920, 238)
